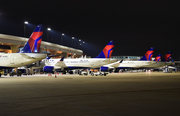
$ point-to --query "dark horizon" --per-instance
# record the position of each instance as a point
(134, 26)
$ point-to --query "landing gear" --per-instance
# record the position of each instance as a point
(70, 72)
(92, 74)
(64, 72)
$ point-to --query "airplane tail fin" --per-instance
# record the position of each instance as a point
(158, 58)
(167, 57)
(107, 51)
(34, 42)
(148, 55)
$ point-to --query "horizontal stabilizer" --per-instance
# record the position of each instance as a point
(26, 56)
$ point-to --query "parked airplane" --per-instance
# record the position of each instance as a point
(145, 60)
(29, 54)
(164, 62)
(69, 64)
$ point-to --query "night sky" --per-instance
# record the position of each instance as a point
(135, 26)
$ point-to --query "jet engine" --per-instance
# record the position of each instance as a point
(48, 69)
(104, 69)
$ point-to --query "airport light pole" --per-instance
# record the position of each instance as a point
(79, 43)
(25, 23)
(82, 45)
(62, 38)
(48, 29)
(0, 26)
(72, 41)
(0, 23)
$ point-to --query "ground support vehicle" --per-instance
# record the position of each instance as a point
(83, 73)
(98, 73)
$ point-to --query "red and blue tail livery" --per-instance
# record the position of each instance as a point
(158, 58)
(34, 42)
(107, 51)
(148, 55)
(167, 57)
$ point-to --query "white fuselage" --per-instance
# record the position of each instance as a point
(12, 60)
(82, 63)
(135, 64)
(158, 64)
(129, 64)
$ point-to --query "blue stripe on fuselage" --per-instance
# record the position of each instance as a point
(110, 51)
(35, 46)
(26, 49)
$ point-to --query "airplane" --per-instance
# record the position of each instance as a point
(164, 62)
(29, 54)
(145, 60)
(103, 58)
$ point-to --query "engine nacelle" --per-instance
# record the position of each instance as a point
(48, 69)
(104, 69)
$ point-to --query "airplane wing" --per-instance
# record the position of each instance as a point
(109, 61)
(26, 56)
(60, 64)
(117, 64)
(177, 61)
(151, 62)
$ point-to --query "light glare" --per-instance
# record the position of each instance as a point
(25, 22)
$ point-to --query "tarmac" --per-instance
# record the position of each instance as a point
(117, 94)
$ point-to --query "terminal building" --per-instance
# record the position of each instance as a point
(12, 44)
(129, 58)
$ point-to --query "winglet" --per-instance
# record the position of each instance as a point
(121, 61)
(62, 59)
(107, 51)
(34, 42)
(148, 55)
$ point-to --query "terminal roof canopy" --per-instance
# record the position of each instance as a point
(15, 40)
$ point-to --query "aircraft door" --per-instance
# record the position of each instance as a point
(92, 63)
(12, 59)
